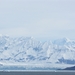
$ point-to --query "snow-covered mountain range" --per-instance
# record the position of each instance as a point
(28, 49)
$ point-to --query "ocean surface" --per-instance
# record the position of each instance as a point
(37, 73)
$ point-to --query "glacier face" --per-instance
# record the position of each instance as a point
(28, 49)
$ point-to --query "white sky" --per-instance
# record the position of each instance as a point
(42, 19)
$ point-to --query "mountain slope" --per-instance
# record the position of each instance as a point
(27, 49)
(70, 68)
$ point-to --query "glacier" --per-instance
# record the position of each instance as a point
(29, 51)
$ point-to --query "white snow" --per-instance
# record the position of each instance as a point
(27, 50)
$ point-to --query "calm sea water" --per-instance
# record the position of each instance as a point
(36, 73)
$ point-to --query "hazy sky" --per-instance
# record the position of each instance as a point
(42, 19)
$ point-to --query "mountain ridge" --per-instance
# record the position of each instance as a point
(28, 49)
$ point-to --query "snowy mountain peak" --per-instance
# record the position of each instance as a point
(62, 41)
(66, 39)
(28, 49)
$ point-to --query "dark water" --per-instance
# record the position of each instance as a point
(36, 73)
